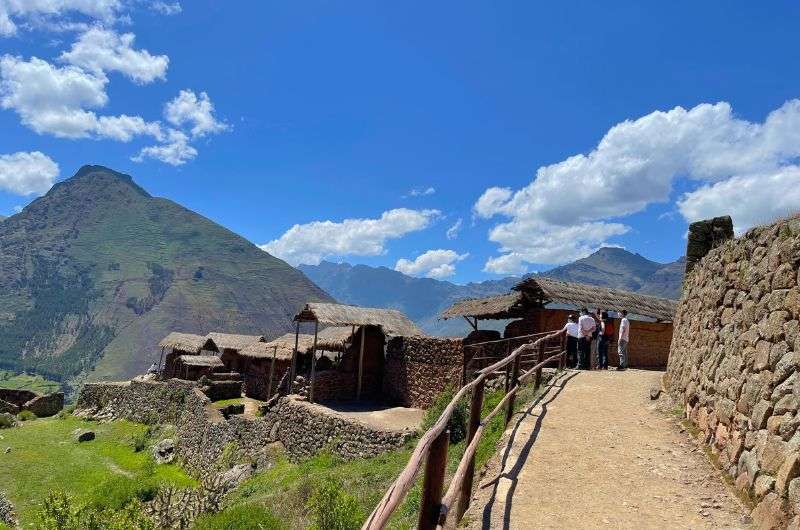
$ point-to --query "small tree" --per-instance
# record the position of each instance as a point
(334, 509)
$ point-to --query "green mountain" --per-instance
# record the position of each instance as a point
(423, 299)
(97, 271)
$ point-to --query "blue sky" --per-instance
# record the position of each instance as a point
(269, 115)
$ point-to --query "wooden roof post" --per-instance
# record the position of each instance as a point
(272, 371)
(161, 363)
(293, 370)
(361, 362)
(313, 362)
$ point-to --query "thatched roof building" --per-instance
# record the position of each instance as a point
(392, 322)
(201, 361)
(234, 342)
(285, 344)
(187, 343)
(538, 292)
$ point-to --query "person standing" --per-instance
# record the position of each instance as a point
(624, 337)
(586, 327)
(594, 357)
(606, 336)
(571, 327)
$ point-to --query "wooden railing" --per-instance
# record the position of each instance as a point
(479, 355)
(435, 508)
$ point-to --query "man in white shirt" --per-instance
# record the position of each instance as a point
(622, 343)
(571, 327)
(586, 325)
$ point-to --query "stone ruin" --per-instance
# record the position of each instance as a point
(43, 405)
(735, 362)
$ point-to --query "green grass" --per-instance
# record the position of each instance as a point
(36, 383)
(106, 471)
(284, 490)
(225, 402)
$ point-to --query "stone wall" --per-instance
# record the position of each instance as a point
(43, 405)
(735, 359)
(306, 428)
(420, 368)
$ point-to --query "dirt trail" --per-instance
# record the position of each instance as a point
(596, 452)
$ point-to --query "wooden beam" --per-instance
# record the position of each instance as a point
(293, 369)
(474, 325)
(361, 362)
(272, 371)
(313, 362)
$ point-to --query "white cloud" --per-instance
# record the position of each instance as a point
(453, 231)
(12, 11)
(635, 165)
(166, 8)
(176, 151)
(437, 264)
(421, 192)
(310, 243)
(27, 173)
(100, 50)
(198, 112)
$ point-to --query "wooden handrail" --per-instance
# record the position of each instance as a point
(507, 339)
(405, 480)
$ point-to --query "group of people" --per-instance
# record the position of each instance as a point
(590, 336)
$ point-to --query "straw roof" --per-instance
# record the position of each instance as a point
(334, 338)
(187, 342)
(538, 291)
(501, 306)
(229, 341)
(210, 361)
(547, 290)
(391, 321)
(285, 344)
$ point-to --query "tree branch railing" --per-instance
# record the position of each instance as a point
(435, 508)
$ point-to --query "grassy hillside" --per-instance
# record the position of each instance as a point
(45, 457)
(96, 272)
(35, 383)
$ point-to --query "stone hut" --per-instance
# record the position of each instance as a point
(541, 304)
(264, 364)
(735, 364)
(230, 346)
(176, 345)
(193, 367)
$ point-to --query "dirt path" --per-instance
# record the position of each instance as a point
(597, 453)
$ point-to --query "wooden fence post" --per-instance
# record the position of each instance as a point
(539, 358)
(435, 467)
(562, 361)
(508, 368)
(474, 422)
(514, 383)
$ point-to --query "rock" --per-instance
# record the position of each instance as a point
(83, 435)
(788, 364)
(655, 392)
(164, 451)
(788, 472)
(771, 512)
(763, 485)
(8, 407)
(236, 475)
(773, 454)
(794, 494)
(786, 404)
(8, 450)
(761, 413)
(7, 515)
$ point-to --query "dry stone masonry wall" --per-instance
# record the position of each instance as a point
(735, 363)
(419, 368)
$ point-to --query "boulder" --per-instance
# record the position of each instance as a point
(164, 451)
(788, 472)
(7, 515)
(8, 407)
(761, 413)
(655, 392)
(236, 475)
(771, 512)
(46, 405)
(83, 435)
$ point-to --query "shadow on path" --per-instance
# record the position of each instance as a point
(512, 474)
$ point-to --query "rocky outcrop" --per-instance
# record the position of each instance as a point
(43, 405)
(7, 514)
(735, 359)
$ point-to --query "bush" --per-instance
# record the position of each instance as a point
(334, 509)
(6, 421)
(26, 415)
(243, 517)
(458, 420)
(59, 513)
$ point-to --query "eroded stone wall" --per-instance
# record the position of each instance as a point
(43, 405)
(420, 368)
(734, 363)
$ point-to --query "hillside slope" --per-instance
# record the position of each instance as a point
(423, 299)
(96, 272)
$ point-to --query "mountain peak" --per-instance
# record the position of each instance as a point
(101, 177)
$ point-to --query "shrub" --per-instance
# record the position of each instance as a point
(6, 421)
(458, 420)
(243, 517)
(334, 509)
(59, 513)
(26, 415)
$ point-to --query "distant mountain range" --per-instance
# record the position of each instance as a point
(423, 299)
(97, 271)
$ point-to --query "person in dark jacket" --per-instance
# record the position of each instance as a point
(605, 338)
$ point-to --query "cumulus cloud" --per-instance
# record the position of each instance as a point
(197, 112)
(454, 229)
(100, 50)
(14, 11)
(176, 151)
(166, 8)
(312, 242)
(634, 165)
(437, 264)
(27, 173)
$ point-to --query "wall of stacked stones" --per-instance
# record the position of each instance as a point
(43, 405)
(420, 368)
(735, 358)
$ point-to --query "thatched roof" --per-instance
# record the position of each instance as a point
(210, 361)
(187, 342)
(538, 291)
(495, 307)
(285, 344)
(547, 290)
(392, 322)
(229, 341)
(334, 338)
